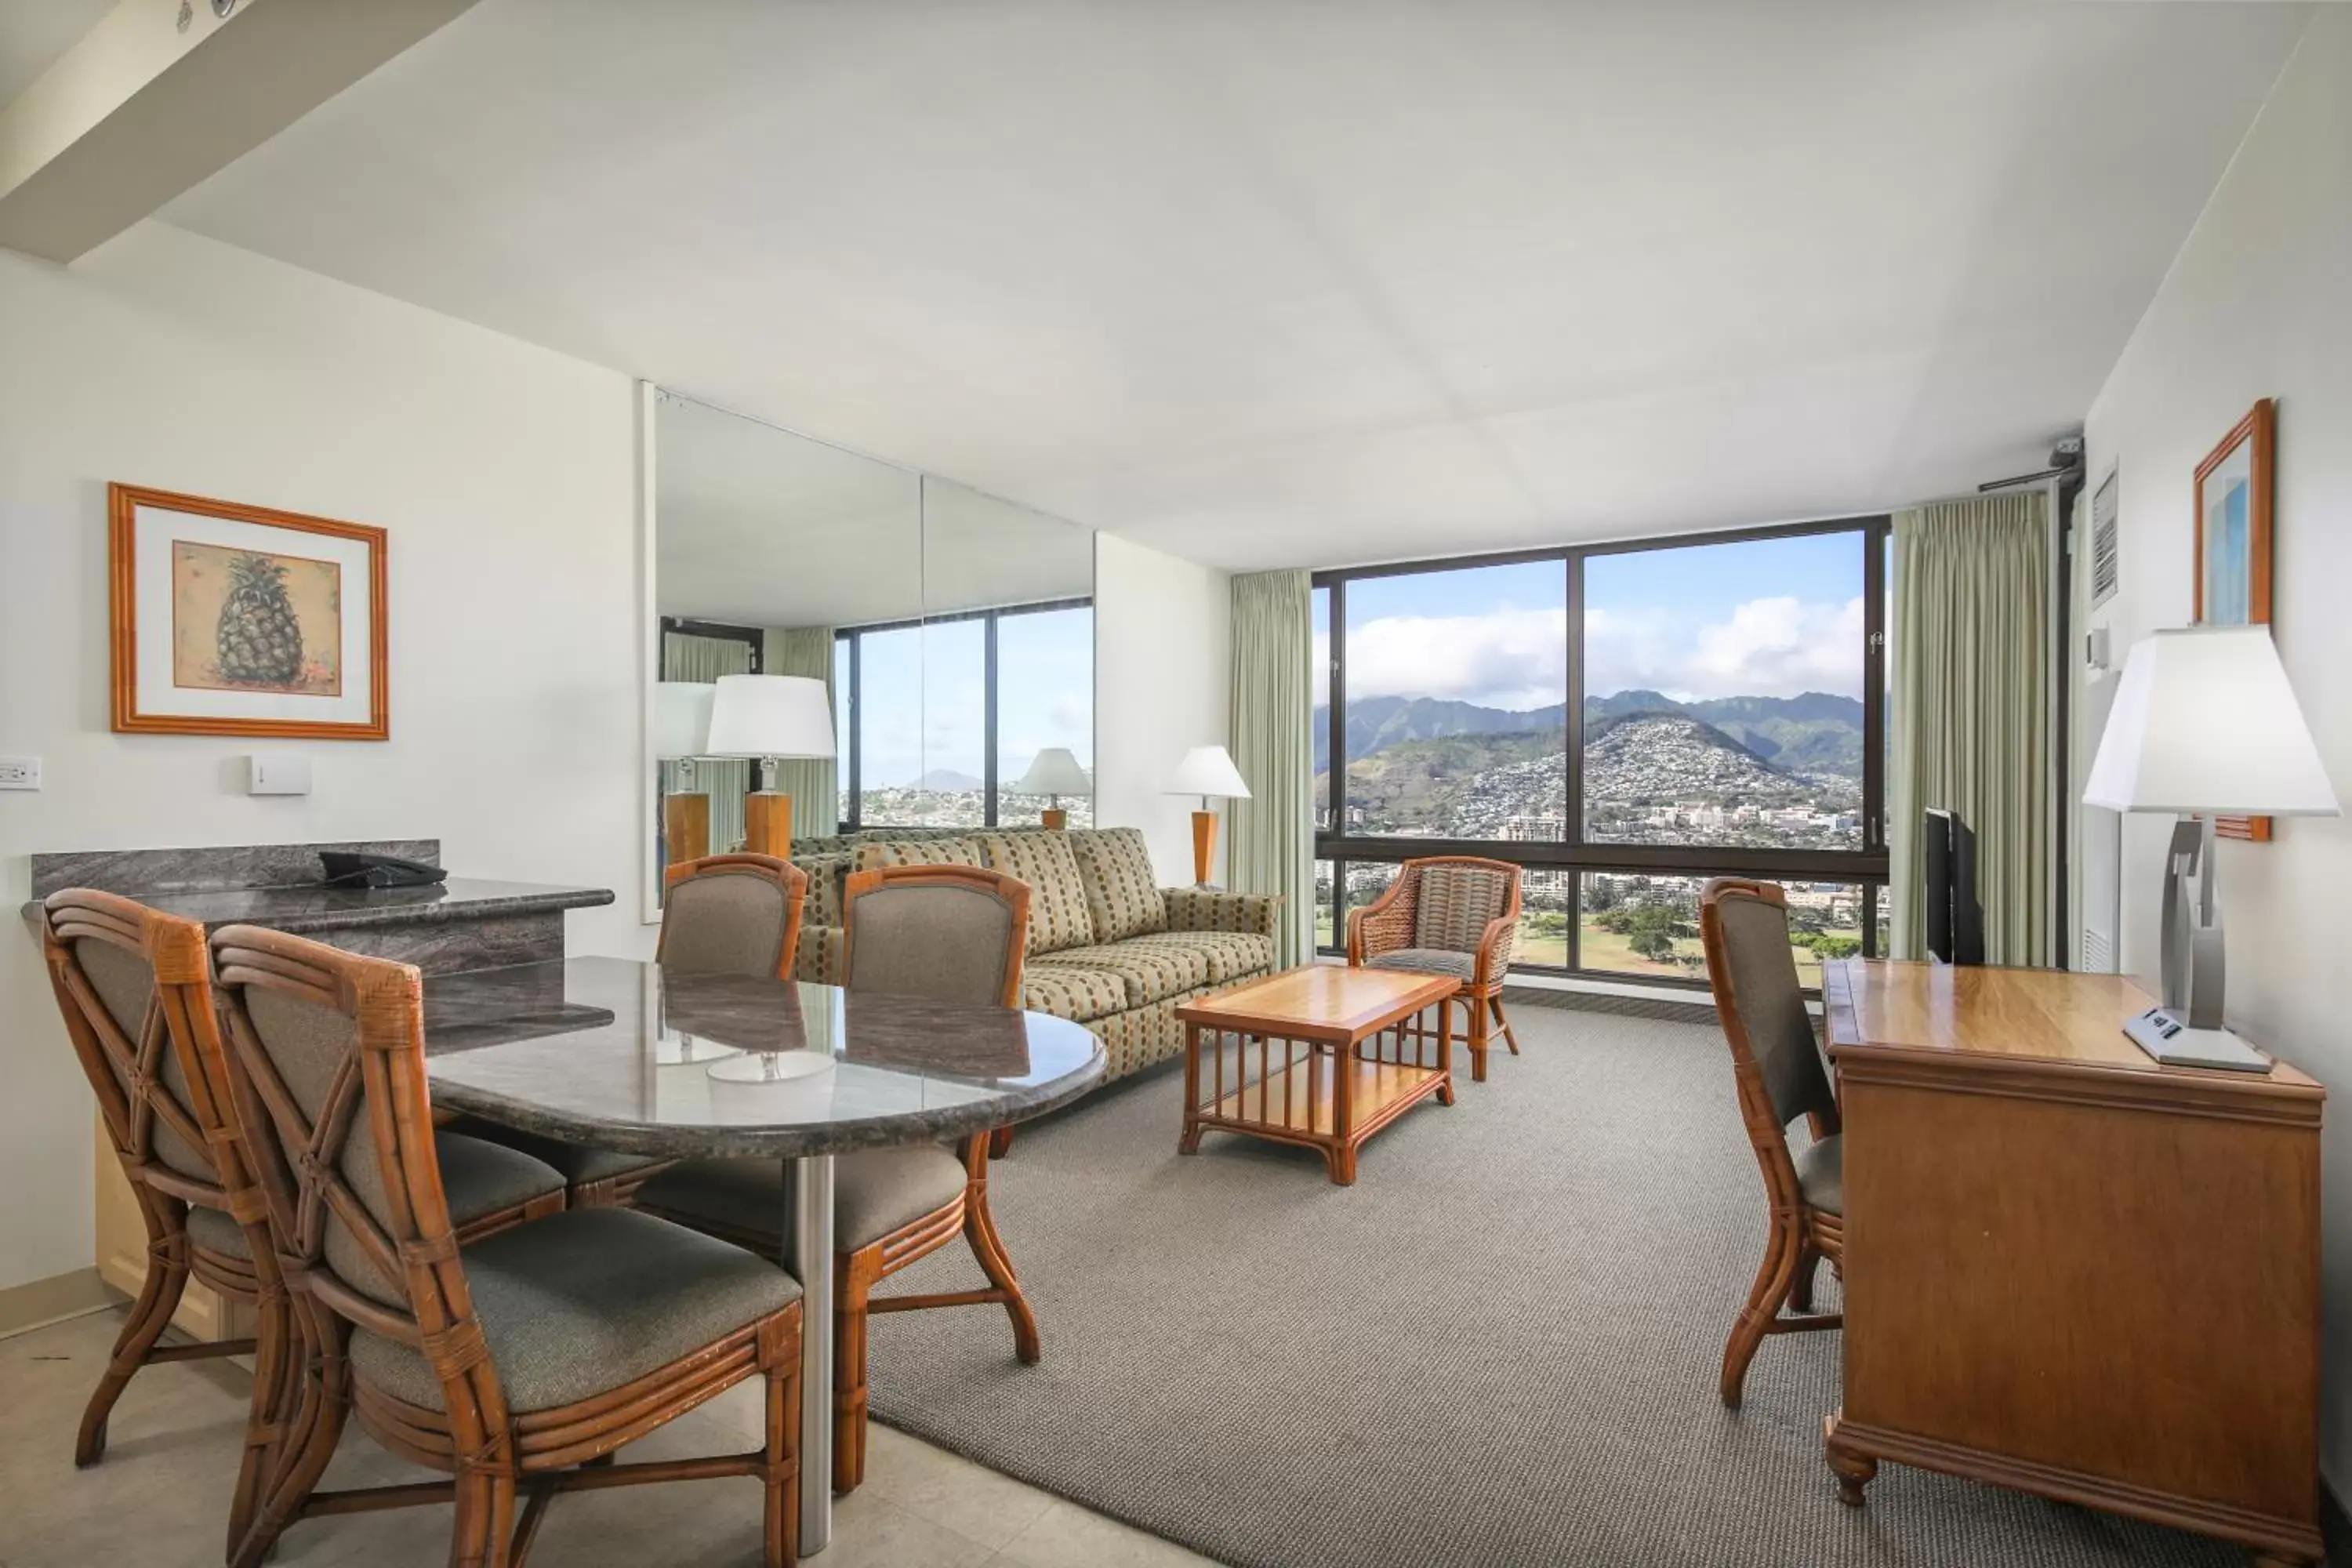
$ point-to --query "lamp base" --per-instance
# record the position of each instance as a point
(1053, 816)
(768, 824)
(686, 827)
(2167, 1036)
(1204, 846)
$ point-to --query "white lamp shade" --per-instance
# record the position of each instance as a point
(1053, 770)
(2204, 721)
(1206, 770)
(682, 719)
(771, 716)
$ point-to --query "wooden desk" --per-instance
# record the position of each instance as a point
(2069, 1269)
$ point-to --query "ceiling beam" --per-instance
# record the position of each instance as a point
(141, 108)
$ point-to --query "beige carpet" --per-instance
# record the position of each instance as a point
(1500, 1346)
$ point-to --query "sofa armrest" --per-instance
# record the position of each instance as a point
(1193, 908)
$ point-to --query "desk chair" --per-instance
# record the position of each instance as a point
(1448, 914)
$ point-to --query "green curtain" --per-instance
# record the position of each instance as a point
(817, 806)
(689, 657)
(1971, 711)
(1273, 846)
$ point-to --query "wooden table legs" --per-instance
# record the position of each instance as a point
(1324, 1094)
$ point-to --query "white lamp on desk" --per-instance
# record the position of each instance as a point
(2205, 725)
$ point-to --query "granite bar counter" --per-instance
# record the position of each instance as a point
(452, 926)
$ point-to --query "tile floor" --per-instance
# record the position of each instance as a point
(159, 1498)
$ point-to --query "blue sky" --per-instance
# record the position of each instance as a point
(1769, 617)
(925, 698)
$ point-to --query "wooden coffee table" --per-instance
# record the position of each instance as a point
(1340, 1053)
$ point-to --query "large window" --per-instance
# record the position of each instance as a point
(937, 719)
(1621, 720)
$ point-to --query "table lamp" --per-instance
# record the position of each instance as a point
(2204, 724)
(1208, 773)
(765, 716)
(681, 734)
(1053, 773)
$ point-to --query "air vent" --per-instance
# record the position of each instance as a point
(2104, 541)
(2098, 953)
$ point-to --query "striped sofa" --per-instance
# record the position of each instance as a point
(1108, 947)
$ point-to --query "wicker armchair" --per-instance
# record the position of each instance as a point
(1448, 914)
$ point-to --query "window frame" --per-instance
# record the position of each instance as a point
(852, 819)
(1865, 868)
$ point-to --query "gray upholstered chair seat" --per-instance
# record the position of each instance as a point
(478, 1177)
(1820, 1174)
(215, 1231)
(586, 1302)
(575, 1163)
(874, 1192)
(1428, 961)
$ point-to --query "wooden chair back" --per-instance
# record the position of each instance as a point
(1776, 1060)
(326, 1060)
(951, 933)
(136, 987)
(732, 914)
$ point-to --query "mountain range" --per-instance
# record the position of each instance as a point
(1813, 733)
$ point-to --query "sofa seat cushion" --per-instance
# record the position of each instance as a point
(875, 1193)
(1150, 973)
(1230, 954)
(1122, 891)
(586, 1302)
(1058, 917)
(1072, 991)
(1427, 960)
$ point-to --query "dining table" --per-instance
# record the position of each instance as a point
(617, 1054)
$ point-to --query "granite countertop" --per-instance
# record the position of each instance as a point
(306, 911)
(615, 1053)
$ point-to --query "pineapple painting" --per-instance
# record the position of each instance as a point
(251, 620)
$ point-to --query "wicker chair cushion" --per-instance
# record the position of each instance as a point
(1230, 954)
(1149, 971)
(1820, 1174)
(1454, 904)
(874, 1192)
(1058, 916)
(949, 943)
(572, 1163)
(1772, 1006)
(725, 922)
(1428, 961)
(125, 984)
(1123, 897)
(215, 1231)
(586, 1302)
(1072, 991)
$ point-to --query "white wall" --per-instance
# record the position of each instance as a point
(1163, 647)
(505, 474)
(2260, 304)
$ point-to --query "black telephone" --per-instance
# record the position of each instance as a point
(346, 870)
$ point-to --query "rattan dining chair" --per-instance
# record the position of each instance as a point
(1448, 914)
(949, 933)
(723, 914)
(516, 1364)
(1777, 1065)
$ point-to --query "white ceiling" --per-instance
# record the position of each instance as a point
(1303, 283)
(35, 34)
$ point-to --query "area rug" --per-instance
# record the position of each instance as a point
(1499, 1347)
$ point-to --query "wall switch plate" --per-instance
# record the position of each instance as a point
(276, 772)
(20, 772)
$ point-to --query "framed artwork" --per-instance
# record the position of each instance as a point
(2233, 546)
(239, 620)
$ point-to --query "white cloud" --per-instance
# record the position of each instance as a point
(1775, 646)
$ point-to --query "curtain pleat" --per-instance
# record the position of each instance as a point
(689, 657)
(817, 806)
(1971, 711)
(1273, 847)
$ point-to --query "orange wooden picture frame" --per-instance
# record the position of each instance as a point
(2260, 426)
(123, 502)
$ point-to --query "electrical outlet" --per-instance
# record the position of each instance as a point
(20, 772)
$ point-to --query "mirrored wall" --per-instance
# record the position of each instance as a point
(952, 632)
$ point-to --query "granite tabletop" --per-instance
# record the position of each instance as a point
(307, 911)
(613, 1053)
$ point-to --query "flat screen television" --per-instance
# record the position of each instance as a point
(1954, 919)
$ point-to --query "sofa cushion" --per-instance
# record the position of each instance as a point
(1057, 895)
(823, 905)
(872, 856)
(1072, 991)
(1149, 972)
(1454, 905)
(1230, 954)
(1122, 892)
